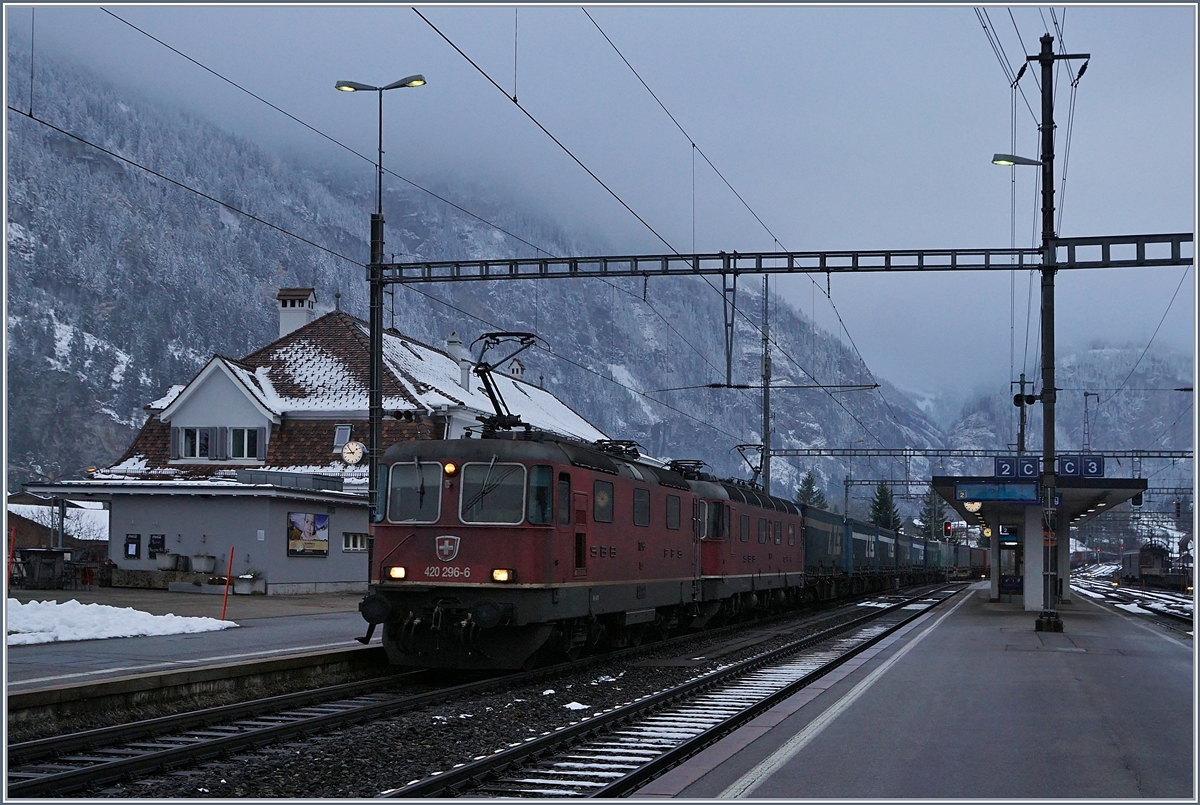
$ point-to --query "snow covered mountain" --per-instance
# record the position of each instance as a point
(121, 283)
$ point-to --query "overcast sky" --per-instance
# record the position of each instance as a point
(842, 128)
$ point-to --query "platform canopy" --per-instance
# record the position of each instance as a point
(980, 500)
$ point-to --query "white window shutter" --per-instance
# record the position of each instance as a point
(174, 442)
(262, 443)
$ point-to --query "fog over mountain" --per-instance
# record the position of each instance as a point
(120, 284)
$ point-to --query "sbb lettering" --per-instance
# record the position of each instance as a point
(604, 551)
(672, 553)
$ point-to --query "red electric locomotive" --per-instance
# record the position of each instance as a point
(495, 552)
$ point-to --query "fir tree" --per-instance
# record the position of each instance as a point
(810, 494)
(933, 514)
(883, 508)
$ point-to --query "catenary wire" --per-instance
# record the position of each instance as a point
(752, 212)
(1186, 271)
(180, 184)
(492, 81)
(320, 133)
(390, 172)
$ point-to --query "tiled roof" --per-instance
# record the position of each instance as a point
(324, 367)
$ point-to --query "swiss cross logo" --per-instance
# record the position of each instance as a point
(447, 548)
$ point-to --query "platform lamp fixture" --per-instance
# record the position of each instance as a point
(1049, 619)
(375, 278)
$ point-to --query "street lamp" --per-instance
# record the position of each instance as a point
(375, 278)
(1049, 619)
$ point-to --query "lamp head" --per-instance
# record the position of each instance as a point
(1012, 159)
(352, 86)
(409, 81)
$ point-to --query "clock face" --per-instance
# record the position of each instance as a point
(352, 452)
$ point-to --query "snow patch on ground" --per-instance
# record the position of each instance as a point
(51, 622)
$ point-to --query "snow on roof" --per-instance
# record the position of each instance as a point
(168, 398)
(433, 377)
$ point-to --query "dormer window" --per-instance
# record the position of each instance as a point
(341, 435)
(195, 443)
(244, 442)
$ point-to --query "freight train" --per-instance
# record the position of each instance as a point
(506, 551)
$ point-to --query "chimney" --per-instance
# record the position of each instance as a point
(454, 347)
(297, 307)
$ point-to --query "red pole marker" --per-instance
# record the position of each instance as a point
(228, 576)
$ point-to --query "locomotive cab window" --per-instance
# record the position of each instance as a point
(415, 492)
(702, 519)
(541, 490)
(602, 502)
(492, 493)
(673, 512)
(641, 507)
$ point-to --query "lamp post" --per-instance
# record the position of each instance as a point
(1048, 620)
(375, 278)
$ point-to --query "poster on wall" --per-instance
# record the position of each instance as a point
(308, 534)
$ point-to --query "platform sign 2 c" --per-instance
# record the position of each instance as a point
(1006, 467)
(1092, 466)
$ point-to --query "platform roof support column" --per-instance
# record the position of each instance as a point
(993, 522)
(1064, 566)
(1032, 540)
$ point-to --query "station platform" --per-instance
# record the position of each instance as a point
(268, 627)
(969, 702)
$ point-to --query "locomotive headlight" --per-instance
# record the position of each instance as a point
(451, 469)
(503, 574)
(396, 572)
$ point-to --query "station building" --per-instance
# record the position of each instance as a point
(247, 455)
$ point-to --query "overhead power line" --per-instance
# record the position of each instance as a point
(368, 159)
(184, 186)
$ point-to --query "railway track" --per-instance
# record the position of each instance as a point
(614, 752)
(64, 764)
(1173, 607)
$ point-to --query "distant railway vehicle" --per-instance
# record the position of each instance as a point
(1152, 565)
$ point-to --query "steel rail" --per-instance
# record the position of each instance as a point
(31, 751)
(167, 728)
(464, 775)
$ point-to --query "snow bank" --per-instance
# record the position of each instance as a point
(52, 622)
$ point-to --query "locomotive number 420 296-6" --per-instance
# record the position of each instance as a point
(447, 572)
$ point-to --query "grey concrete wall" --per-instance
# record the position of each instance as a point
(255, 527)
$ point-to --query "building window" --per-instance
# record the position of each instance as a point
(354, 543)
(195, 443)
(133, 546)
(641, 507)
(245, 442)
(341, 435)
